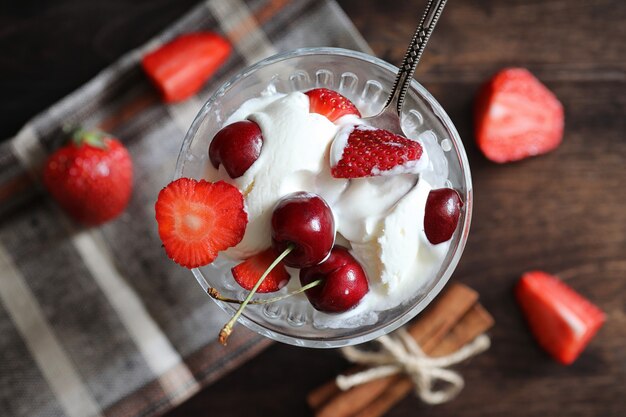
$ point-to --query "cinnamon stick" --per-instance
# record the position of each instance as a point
(476, 322)
(347, 402)
(387, 399)
(428, 329)
(322, 394)
(442, 315)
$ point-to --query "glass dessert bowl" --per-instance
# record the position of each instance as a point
(366, 81)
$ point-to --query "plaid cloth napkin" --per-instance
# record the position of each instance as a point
(98, 322)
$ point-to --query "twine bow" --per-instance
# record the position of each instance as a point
(401, 354)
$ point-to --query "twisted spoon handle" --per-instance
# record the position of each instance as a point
(414, 53)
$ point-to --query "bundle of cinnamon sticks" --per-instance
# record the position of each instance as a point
(454, 319)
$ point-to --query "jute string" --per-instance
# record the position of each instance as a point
(401, 354)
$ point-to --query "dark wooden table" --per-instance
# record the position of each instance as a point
(563, 212)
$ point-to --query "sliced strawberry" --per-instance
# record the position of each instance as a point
(369, 152)
(249, 271)
(516, 116)
(181, 67)
(330, 103)
(198, 219)
(562, 321)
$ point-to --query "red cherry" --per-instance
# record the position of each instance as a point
(443, 209)
(304, 221)
(343, 284)
(236, 146)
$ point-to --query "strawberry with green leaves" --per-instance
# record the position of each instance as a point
(91, 177)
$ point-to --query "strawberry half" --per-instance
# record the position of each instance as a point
(181, 67)
(516, 116)
(330, 103)
(249, 271)
(562, 321)
(198, 219)
(370, 152)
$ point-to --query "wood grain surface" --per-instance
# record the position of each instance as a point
(563, 212)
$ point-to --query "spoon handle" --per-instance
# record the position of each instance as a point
(414, 53)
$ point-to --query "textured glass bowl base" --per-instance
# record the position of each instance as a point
(366, 81)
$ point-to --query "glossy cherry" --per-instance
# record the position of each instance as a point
(305, 222)
(443, 209)
(236, 146)
(343, 285)
(303, 233)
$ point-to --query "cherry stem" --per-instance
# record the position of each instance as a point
(228, 327)
(213, 293)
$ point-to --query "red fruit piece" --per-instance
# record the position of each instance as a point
(562, 321)
(516, 116)
(370, 152)
(198, 219)
(91, 178)
(304, 222)
(330, 103)
(441, 215)
(181, 67)
(343, 285)
(236, 146)
(249, 271)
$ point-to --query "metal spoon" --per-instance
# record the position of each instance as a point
(389, 117)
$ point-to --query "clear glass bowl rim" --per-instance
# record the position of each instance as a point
(458, 147)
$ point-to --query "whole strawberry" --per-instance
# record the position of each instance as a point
(91, 177)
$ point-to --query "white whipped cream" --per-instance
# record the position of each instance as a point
(380, 218)
(366, 201)
(293, 156)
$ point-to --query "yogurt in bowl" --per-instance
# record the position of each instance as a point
(379, 218)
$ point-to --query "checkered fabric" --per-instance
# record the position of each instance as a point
(98, 322)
